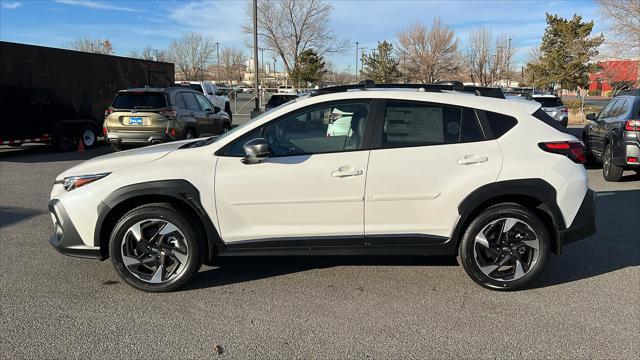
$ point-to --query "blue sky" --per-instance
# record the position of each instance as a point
(132, 25)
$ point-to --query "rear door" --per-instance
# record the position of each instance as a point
(425, 160)
(195, 112)
(209, 125)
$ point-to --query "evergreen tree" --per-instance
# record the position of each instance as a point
(566, 51)
(381, 66)
(309, 70)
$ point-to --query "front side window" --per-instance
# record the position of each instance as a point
(416, 124)
(204, 104)
(606, 112)
(208, 88)
(332, 127)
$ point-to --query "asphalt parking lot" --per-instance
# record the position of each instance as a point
(586, 304)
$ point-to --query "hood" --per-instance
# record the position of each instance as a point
(122, 159)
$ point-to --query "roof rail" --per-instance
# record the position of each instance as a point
(434, 87)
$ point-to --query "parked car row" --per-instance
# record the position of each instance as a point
(613, 136)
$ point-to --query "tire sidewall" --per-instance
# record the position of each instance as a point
(493, 213)
(155, 212)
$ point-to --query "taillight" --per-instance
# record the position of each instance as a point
(104, 131)
(574, 150)
(169, 114)
(564, 110)
(632, 125)
(108, 112)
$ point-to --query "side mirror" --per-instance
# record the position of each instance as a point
(256, 151)
(592, 116)
(216, 109)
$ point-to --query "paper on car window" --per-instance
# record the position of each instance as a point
(418, 124)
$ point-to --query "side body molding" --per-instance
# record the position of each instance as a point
(178, 190)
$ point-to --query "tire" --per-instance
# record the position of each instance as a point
(189, 134)
(481, 262)
(610, 171)
(227, 109)
(64, 139)
(138, 258)
(89, 136)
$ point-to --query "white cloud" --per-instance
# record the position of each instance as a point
(11, 5)
(98, 5)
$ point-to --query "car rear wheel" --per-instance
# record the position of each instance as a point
(611, 171)
(155, 248)
(189, 134)
(505, 248)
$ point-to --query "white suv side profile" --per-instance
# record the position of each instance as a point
(423, 170)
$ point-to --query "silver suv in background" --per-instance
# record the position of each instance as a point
(553, 106)
(213, 92)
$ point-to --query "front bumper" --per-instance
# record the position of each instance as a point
(66, 238)
(584, 224)
(137, 137)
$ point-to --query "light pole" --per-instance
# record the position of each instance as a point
(357, 43)
(509, 64)
(275, 72)
(217, 63)
(256, 76)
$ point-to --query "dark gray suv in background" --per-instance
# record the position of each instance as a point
(614, 136)
(153, 115)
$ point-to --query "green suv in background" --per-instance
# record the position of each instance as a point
(139, 117)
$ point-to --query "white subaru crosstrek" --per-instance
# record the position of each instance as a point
(422, 170)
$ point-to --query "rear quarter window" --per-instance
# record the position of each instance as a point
(545, 118)
(500, 124)
(143, 100)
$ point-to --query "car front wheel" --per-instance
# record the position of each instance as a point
(505, 247)
(155, 248)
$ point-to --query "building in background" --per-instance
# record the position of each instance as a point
(614, 76)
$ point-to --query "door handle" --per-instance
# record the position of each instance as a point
(472, 159)
(346, 171)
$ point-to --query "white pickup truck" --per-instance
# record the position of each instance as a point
(212, 92)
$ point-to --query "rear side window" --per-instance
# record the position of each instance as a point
(501, 123)
(180, 101)
(191, 102)
(142, 100)
(417, 124)
(549, 102)
(277, 100)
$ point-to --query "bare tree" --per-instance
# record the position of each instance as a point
(502, 58)
(148, 53)
(429, 55)
(623, 23)
(191, 53)
(289, 27)
(232, 64)
(97, 46)
(479, 56)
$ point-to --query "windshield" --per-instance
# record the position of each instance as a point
(549, 101)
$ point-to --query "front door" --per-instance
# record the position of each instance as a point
(428, 158)
(312, 186)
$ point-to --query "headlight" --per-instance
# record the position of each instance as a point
(73, 182)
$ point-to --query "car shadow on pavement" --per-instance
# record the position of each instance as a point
(13, 215)
(42, 154)
(615, 246)
(234, 270)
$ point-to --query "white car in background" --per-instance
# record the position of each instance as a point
(214, 93)
(286, 89)
(433, 170)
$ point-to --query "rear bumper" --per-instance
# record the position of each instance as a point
(629, 148)
(66, 238)
(584, 224)
(137, 137)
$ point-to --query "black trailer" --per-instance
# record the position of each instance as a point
(59, 96)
